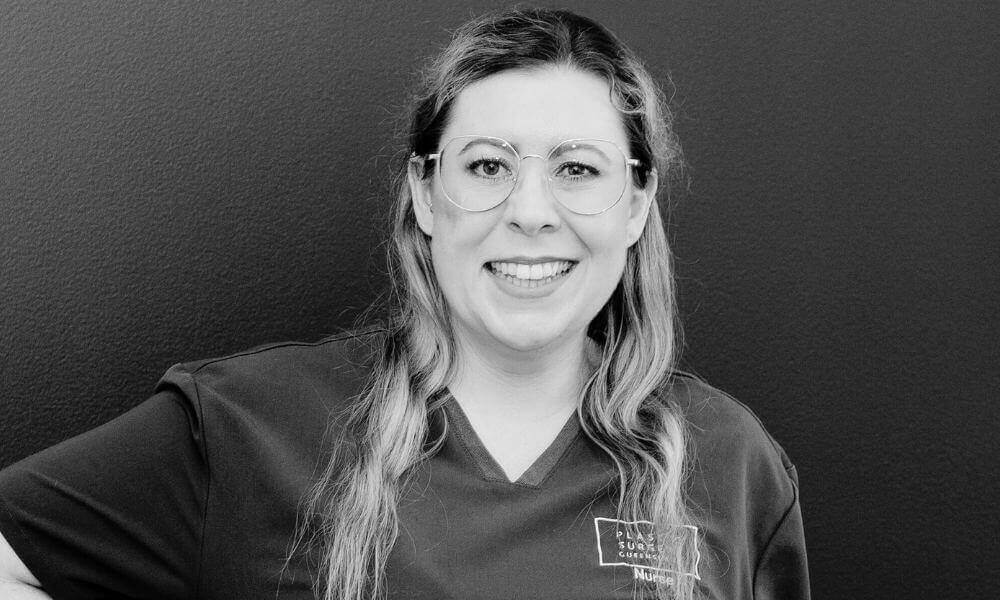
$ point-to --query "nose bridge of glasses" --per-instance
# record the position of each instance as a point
(522, 158)
(519, 182)
(530, 197)
(530, 201)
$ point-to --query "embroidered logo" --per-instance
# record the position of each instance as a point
(634, 544)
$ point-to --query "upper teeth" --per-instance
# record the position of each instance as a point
(534, 271)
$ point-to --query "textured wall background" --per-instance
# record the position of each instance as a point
(184, 179)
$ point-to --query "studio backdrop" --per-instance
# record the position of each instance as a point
(180, 180)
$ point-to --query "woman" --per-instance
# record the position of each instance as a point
(518, 430)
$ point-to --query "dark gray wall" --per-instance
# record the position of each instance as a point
(180, 180)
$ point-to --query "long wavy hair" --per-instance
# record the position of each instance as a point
(352, 512)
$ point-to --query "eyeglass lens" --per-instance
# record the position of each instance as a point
(586, 176)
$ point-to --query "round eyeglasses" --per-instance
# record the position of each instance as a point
(477, 173)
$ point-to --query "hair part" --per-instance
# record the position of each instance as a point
(623, 410)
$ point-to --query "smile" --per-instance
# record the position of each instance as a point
(530, 275)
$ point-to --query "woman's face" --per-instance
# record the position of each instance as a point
(484, 260)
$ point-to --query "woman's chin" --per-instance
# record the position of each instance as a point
(531, 336)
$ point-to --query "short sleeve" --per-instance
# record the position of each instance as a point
(782, 572)
(116, 512)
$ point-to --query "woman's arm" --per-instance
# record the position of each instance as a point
(16, 581)
(112, 513)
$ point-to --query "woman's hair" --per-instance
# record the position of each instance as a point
(623, 408)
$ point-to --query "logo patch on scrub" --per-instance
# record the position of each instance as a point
(634, 544)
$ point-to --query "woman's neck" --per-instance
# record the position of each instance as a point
(506, 384)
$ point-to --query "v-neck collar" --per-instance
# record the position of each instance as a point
(460, 427)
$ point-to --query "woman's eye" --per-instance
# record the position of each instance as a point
(576, 170)
(489, 168)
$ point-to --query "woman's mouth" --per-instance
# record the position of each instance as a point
(530, 275)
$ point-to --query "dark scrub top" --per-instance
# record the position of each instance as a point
(194, 494)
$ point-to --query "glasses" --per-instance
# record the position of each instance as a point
(477, 173)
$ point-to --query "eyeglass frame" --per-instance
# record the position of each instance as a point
(436, 157)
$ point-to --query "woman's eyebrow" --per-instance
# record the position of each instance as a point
(542, 145)
(497, 143)
(585, 146)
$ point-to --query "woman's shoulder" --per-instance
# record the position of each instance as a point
(347, 350)
(724, 430)
(330, 370)
(744, 490)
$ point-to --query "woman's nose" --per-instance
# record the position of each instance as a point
(531, 209)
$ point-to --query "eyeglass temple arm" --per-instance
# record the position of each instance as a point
(422, 159)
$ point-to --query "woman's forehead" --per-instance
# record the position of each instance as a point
(534, 109)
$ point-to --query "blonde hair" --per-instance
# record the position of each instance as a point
(623, 410)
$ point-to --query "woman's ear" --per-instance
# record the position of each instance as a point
(420, 194)
(639, 201)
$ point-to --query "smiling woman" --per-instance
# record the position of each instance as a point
(526, 230)
(516, 430)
